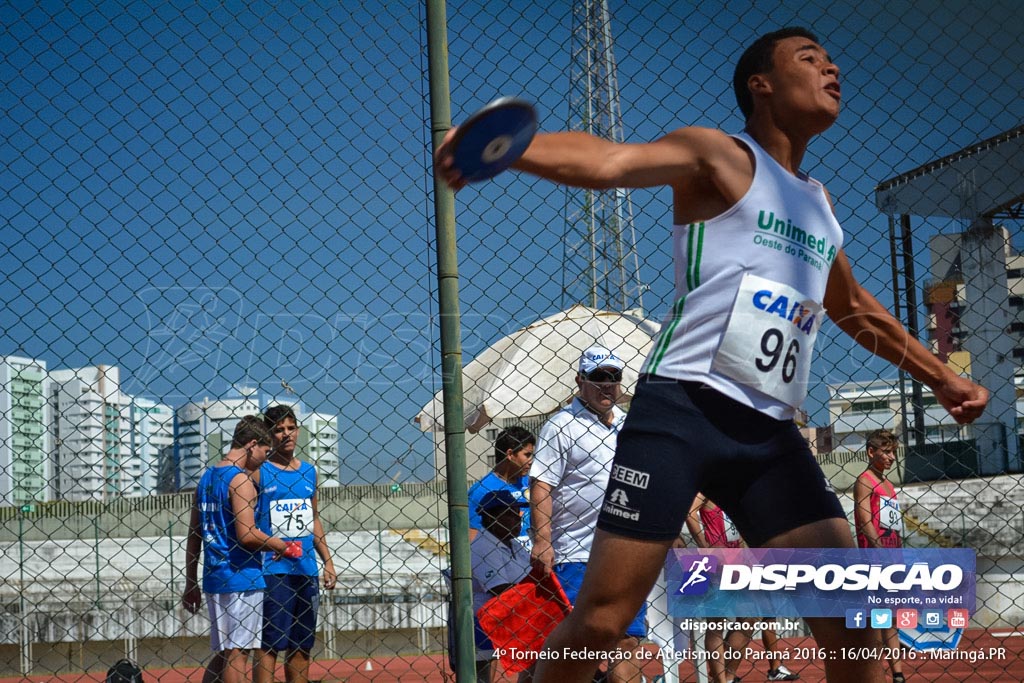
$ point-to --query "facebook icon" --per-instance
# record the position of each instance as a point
(856, 618)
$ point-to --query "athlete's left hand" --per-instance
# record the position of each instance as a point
(192, 597)
(963, 399)
(330, 579)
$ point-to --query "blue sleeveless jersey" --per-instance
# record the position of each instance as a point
(227, 566)
(286, 510)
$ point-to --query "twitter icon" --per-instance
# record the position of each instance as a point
(881, 618)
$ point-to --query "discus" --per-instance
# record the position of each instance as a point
(493, 138)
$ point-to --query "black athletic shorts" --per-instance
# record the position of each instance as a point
(683, 437)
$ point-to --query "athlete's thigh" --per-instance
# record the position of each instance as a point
(778, 488)
(620, 574)
(657, 466)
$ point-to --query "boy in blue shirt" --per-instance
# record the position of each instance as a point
(288, 507)
(513, 454)
(223, 523)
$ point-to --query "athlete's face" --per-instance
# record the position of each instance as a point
(601, 389)
(286, 436)
(522, 458)
(803, 84)
(882, 458)
(257, 455)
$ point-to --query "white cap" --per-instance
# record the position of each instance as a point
(599, 357)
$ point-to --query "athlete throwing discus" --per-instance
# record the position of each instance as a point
(713, 409)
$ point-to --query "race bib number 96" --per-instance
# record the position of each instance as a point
(292, 517)
(769, 341)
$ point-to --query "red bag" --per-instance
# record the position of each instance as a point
(519, 620)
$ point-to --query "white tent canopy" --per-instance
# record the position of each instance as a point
(532, 371)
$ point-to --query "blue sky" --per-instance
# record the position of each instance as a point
(225, 193)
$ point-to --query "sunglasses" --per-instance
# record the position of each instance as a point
(602, 376)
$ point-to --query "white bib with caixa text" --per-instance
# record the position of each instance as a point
(769, 340)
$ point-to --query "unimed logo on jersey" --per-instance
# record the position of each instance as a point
(784, 228)
(617, 504)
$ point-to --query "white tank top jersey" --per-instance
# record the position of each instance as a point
(749, 290)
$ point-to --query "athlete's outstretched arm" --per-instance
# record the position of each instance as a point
(583, 160)
(871, 325)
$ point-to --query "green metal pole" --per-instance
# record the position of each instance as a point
(170, 553)
(96, 533)
(26, 657)
(380, 560)
(451, 353)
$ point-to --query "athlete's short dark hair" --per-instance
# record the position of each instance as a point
(250, 428)
(757, 59)
(274, 415)
(514, 438)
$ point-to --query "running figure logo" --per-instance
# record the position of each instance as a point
(696, 580)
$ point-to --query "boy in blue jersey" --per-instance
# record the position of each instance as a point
(223, 520)
(288, 507)
(513, 455)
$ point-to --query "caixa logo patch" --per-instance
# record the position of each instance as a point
(795, 312)
(697, 573)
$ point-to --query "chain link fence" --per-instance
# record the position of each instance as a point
(209, 209)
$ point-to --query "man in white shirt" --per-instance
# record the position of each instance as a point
(570, 471)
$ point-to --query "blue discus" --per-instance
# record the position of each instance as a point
(493, 138)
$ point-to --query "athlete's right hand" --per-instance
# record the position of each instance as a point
(542, 557)
(293, 549)
(444, 163)
(192, 598)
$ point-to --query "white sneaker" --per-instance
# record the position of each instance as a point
(782, 674)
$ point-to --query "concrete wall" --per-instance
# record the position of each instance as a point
(166, 653)
(344, 508)
(986, 514)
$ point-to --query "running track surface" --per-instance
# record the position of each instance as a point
(433, 668)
